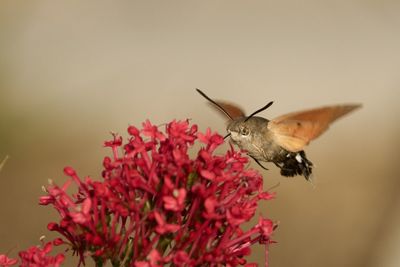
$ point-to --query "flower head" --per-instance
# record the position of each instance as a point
(155, 205)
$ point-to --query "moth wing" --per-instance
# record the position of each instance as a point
(233, 110)
(295, 130)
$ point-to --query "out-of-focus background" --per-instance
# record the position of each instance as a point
(72, 71)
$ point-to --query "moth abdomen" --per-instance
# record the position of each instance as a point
(295, 163)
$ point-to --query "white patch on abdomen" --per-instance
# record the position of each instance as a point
(298, 158)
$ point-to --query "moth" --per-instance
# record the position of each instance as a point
(280, 140)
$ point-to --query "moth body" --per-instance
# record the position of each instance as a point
(254, 136)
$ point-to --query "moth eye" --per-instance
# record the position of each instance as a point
(244, 131)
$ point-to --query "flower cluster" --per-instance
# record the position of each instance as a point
(36, 256)
(156, 206)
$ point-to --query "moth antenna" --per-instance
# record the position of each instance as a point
(226, 136)
(215, 103)
(259, 110)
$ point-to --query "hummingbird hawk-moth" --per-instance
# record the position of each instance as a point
(280, 140)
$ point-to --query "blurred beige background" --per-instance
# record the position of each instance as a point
(72, 71)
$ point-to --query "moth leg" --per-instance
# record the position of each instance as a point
(277, 165)
(259, 163)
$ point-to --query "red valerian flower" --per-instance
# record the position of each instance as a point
(177, 201)
(37, 256)
(6, 261)
(157, 206)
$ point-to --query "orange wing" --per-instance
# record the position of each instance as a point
(233, 110)
(295, 130)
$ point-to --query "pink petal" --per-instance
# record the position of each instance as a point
(86, 206)
(210, 204)
(207, 174)
(170, 203)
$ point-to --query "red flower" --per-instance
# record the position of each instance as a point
(162, 226)
(181, 258)
(83, 215)
(152, 131)
(177, 201)
(157, 206)
(36, 256)
(6, 261)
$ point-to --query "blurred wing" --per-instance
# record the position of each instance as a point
(233, 110)
(295, 130)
